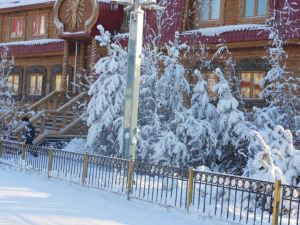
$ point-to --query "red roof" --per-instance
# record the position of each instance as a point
(172, 21)
(38, 46)
(110, 17)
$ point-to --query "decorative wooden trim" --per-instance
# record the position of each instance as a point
(250, 44)
(94, 17)
(1, 28)
(185, 14)
(59, 25)
(93, 60)
(65, 66)
(82, 62)
(88, 24)
(252, 64)
(16, 70)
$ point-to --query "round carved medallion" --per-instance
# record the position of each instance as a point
(75, 16)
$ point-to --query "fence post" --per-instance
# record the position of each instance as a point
(23, 151)
(130, 178)
(190, 189)
(50, 161)
(85, 167)
(276, 202)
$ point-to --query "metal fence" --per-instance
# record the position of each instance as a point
(238, 199)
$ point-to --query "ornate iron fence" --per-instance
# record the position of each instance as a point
(239, 199)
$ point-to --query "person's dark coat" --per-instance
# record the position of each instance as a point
(29, 133)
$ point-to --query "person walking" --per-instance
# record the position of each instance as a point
(29, 133)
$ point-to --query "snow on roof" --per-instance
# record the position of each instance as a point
(4, 4)
(32, 42)
(216, 31)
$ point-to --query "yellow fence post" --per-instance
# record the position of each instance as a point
(85, 168)
(50, 160)
(190, 189)
(130, 178)
(23, 151)
(276, 202)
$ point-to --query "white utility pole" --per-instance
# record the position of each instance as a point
(134, 70)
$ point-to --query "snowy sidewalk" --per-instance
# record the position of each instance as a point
(27, 199)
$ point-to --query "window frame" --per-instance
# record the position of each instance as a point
(255, 16)
(11, 23)
(19, 83)
(46, 25)
(210, 22)
(252, 83)
(36, 84)
(54, 81)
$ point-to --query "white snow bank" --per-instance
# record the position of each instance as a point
(76, 145)
(216, 31)
(27, 199)
(32, 42)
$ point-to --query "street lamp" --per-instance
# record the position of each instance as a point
(133, 73)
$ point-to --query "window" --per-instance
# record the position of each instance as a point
(16, 27)
(58, 86)
(39, 25)
(212, 80)
(58, 82)
(13, 80)
(210, 9)
(250, 84)
(254, 8)
(36, 83)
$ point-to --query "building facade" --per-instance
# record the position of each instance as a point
(53, 41)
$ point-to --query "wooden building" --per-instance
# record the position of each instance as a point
(52, 41)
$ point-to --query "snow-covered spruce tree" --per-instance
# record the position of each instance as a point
(106, 108)
(281, 87)
(263, 166)
(202, 125)
(173, 84)
(171, 87)
(233, 130)
(200, 104)
(148, 119)
(198, 138)
(280, 147)
(187, 136)
(7, 103)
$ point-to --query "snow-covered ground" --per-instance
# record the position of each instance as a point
(76, 145)
(27, 199)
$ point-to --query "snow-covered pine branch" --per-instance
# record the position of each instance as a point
(7, 102)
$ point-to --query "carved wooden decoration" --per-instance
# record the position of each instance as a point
(75, 15)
